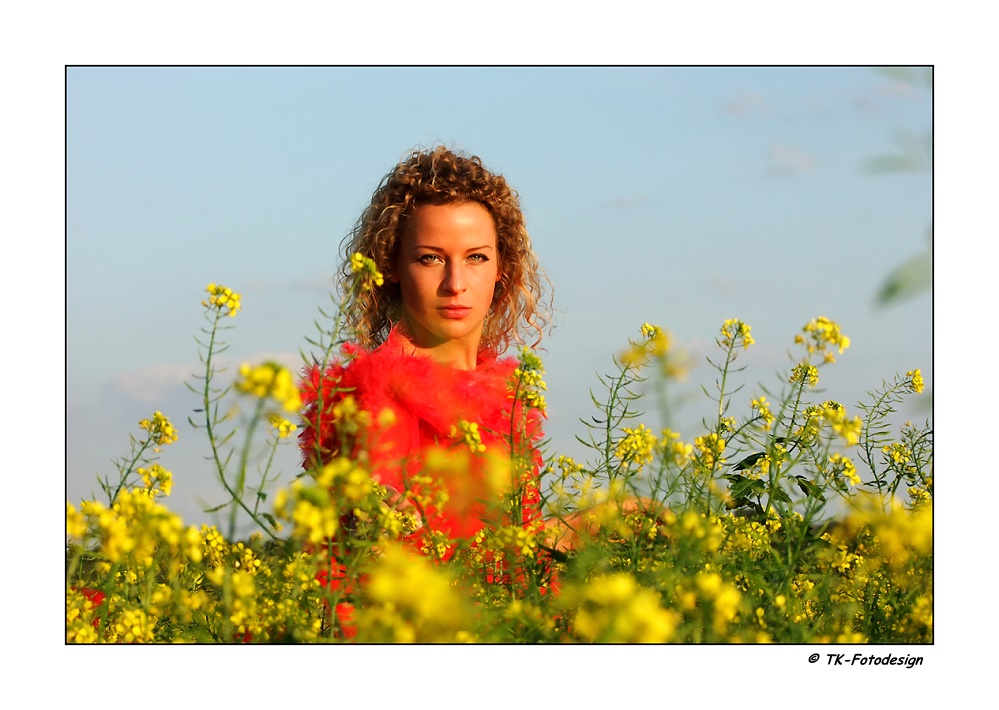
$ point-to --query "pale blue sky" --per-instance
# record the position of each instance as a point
(679, 196)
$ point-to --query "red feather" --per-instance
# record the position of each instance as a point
(426, 400)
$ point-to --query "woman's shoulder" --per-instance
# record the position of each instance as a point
(394, 358)
(390, 375)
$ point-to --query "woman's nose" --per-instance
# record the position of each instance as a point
(454, 279)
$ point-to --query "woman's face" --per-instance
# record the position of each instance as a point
(447, 269)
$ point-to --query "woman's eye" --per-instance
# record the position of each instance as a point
(429, 258)
(478, 257)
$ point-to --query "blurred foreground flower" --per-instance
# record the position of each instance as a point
(270, 380)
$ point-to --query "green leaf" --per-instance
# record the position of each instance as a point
(748, 461)
(915, 76)
(781, 495)
(911, 278)
(809, 489)
(914, 155)
(745, 487)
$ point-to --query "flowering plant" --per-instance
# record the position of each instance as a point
(783, 519)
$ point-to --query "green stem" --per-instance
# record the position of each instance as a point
(206, 401)
(127, 472)
(244, 458)
(721, 388)
(773, 475)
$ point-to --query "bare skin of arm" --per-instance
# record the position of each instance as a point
(566, 533)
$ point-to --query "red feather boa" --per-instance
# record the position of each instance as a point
(426, 400)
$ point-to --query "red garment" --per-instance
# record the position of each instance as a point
(96, 598)
(427, 401)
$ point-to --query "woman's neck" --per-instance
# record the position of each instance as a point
(456, 354)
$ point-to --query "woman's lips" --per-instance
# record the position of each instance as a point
(456, 312)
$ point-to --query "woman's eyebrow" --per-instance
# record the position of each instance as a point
(442, 249)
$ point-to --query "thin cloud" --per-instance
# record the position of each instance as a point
(730, 285)
(323, 283)
(151, 385)
(879, 97)
(897, 89)
(156, 383)
(760, 353)
(747, 103)
(817, 108)
(785, 160)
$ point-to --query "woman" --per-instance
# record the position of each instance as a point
(425, 381)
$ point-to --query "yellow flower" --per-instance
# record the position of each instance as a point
(915, 381)
(222, 298)
(844, 467)
(919, 497)
(76, 522)
(848, 429)
(282, 426)
(655, 344)
(805, 373)
(528, 380)
(360, 264)
(897, 455)
(157, 479)
(709, 583)
(724, 599)
(763, 407)
(344, 476)
(313, 513)
(568, 466)
(614, 608)
(650, 332)
(193, 544)
(116, 540)
(513, 539)
(214, 546)
(349, 418)
(636, 447)
(676, 451)
(470, 435)
(734, 333)
(80, 613)
(411, 600)
(270, 380)
(710, 448)
(820, 333)
(161, 431)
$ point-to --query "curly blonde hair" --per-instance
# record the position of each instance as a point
(439, 176)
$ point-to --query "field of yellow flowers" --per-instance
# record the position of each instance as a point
(788, 520)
